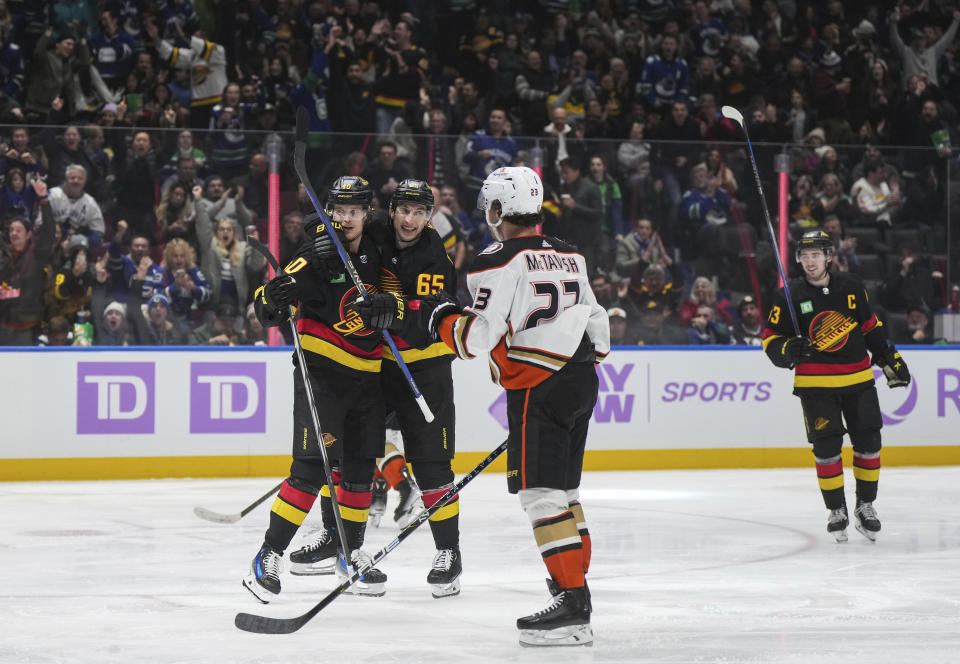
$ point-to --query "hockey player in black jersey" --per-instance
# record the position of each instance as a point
(534, 312)
(343, 361)
(833, 376)
(415, 265)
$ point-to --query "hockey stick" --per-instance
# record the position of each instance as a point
(311, 403)
(216, 517)
(300, 166)
(264, 625)
(731, 113)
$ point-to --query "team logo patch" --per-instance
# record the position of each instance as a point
(830, 330)
(821, 423)
(806, 307)
(493, 248)
(350, 321)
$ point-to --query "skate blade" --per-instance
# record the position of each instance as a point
(362, 589)
(869, 534)
(321, 568)
(574, 635)
(840, 535)
(262, 594)
(439, 590)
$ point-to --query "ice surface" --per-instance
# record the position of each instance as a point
(689, 566)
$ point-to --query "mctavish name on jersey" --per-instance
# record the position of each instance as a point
(547, 260)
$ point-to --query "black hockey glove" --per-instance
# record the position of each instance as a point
(434, 308)
(280, 292)
(798, 349)
(894, 368)
(325, 257)
(382, 311)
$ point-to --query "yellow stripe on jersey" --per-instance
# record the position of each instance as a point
(411, 355)
(288, 511)
(768, 340)
(450, 241)
(834, 381)
(337, 354)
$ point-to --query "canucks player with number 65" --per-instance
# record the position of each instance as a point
(833, 376)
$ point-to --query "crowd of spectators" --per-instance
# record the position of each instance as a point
(137, 138)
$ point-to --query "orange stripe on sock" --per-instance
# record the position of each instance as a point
(587, 550)
(566, 568)
(391, 471)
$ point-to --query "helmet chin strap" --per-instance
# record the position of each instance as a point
(495, 229)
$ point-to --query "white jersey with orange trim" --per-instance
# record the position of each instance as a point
(533, 311)
(208, 68)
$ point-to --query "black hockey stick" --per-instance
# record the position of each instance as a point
(311, 403)
(216, 517)
(300, 166)
(731, 113)
(264, 625)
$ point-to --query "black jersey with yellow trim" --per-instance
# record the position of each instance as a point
(416, 271)
(331, 337)
(842, 326)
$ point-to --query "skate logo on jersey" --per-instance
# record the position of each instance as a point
(829, 331)
(547, 260)
(228, 397)
(492, 249)
(115, 397)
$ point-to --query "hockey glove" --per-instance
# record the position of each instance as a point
(325, 257)
(798, 349)
(894, 368)
(280, 292)
(382, 311)
(434, 308)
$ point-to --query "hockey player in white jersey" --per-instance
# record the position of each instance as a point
(534, 312)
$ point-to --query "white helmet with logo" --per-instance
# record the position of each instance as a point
(518, 190)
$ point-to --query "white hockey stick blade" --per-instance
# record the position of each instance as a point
(731, 113)
(216, 517)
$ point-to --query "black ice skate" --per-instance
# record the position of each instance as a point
(444, 576)
(263, 580)
(867, 521)
(372, 584)
(318, 557)
(378, 502)
(566, 622)
(411, 503)
(837, 523)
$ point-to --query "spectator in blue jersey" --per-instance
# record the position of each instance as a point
(665, 78)
(179, 18)
(112, 50)
(491, 149)
(123, 267)
(705, 207)
(16, 198)
(18, 153)
(230, 146)
(11, 67)
(708, 32)
(184, 284)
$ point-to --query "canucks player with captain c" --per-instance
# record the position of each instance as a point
(833, 376)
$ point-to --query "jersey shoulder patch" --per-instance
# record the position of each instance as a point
(557, 244)
(492, 249)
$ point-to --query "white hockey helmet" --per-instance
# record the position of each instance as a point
(517, 188)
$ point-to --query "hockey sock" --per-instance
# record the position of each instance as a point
(866, 470)
(584, 533)
(830, 477)
(326, 505)
(391, 467)
(354, 502)
(445, 522)
(289, 510)
(561, 548)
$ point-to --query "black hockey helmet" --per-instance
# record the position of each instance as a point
(815, 240)
(349, 190)
(413, 191)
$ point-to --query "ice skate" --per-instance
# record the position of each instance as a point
(318, 557)
(263, 580)
(566, 622)
(411, 502)
(444, 576)
(378, 502)
(837, 523)
(867, 521)
(373, 583)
